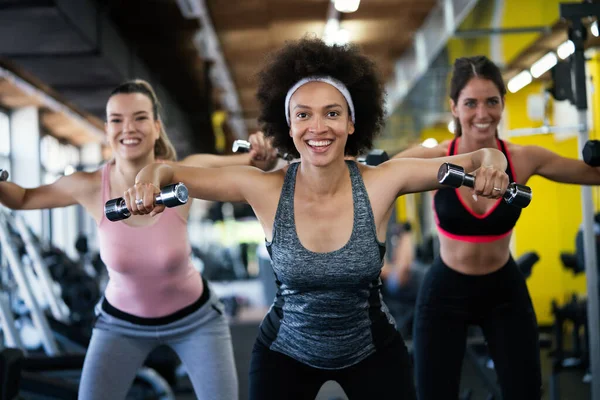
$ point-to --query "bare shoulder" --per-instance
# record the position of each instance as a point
(444, 146)
(81, 181)
(516, 149)
(527, 154)
(259, 182)
(86, 186)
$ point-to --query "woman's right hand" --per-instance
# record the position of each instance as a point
(490, 182)
(141, 199)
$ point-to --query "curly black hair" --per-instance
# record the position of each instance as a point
(312, 57)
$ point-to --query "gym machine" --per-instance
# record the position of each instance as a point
(53, 374)
(574, 13)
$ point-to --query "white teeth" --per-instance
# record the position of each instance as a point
(130, 141)
(319, 143)
(482, 126)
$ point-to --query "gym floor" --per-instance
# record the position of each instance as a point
(571, 385)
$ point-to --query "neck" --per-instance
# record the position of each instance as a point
(127, 170)
(467, 145)
(325, 180)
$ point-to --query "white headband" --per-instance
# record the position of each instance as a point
(326, 79)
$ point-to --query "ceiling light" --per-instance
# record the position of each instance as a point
(341, 37)
(565, 49)
(594, 29)
(430, 142)
(519, 81)
(346, 6)
(543, 64)
(334, 35)
(452, 126)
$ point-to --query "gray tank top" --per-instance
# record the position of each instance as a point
(328, 311)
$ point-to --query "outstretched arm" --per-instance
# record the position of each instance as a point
(61, 193)
(552, 166)
(411, 175)
(217, 184)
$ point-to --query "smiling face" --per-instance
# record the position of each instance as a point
(478, 109)
(320, 123)
(131, 126)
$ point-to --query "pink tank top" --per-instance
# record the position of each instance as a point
(150, 271)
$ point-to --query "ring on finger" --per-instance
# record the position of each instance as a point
(139, 202)
(498, 189)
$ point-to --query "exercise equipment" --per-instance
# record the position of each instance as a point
(570, 316)
(3, 175)
(244, 146)
(54, 372)
(374, 157)
(455, 176)
(574, 16)
(591, 153)
(172, 195)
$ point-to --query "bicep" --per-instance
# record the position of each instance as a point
(61, 193)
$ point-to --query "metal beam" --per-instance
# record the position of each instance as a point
(439, 26)
(474, 33)
(52, 103)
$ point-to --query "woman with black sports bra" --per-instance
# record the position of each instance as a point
(475, 280)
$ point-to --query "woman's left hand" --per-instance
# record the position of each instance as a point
(262, 153)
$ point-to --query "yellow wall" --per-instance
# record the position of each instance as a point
(519, 13)
(515, 14)
(548, 226)
(438, 132)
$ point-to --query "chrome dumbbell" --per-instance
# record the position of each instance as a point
(244, 146)
(170, 196)
(455, 176)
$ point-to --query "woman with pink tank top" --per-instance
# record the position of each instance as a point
(154, 295)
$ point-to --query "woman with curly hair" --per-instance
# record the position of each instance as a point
(325, 221)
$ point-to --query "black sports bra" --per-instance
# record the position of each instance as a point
(457, 220)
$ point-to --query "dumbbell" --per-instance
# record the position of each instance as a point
(591, 153)
(455, 176)
(172, 195)
(374, 157)
(244, 146)
(3, 175)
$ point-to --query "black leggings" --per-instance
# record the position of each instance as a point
(386, 374)
(499, 303)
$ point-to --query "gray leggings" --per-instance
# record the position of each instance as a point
(202, 341)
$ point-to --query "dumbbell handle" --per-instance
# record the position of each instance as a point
(244, 146)
(170, 196)
(455, 176)
(3, 175)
